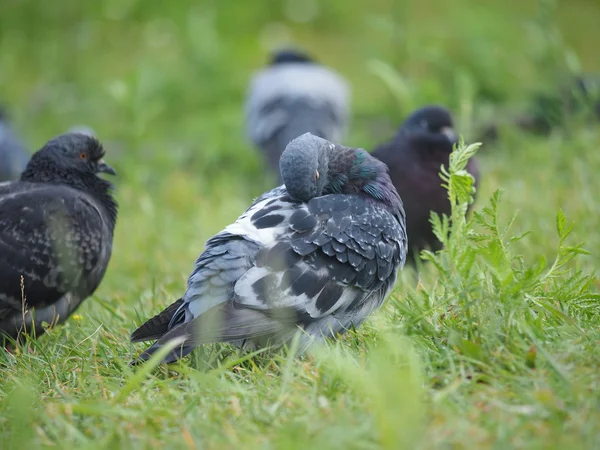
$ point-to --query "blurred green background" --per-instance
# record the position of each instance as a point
(163, 85)
(166, 74)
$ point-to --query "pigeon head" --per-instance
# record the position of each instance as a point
(289, 55)
(431, 122)
(312, 166)
(304, 166)
(71, 158)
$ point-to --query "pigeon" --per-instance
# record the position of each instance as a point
(56, 232)
(292, 96)
(319, 254)
(13, 156)
(549, 110)
(82, 129)
(414, 157)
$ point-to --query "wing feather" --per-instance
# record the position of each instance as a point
(313, 261)
(56, 239)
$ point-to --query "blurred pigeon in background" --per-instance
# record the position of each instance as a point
(82, 129)
(551, 109)
(320, 254)
(414, 157)
(292, 96)
(56, 232)
(13, 155)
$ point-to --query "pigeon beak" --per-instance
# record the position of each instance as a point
(105, 168)
(450, 134)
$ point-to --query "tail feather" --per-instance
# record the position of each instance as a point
(173, 356)
(157, 326)
(223, 323)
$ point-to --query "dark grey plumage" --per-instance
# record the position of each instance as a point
(414, 157)
(13, 155)
(320, 258)
(56, 231)
(292, 96)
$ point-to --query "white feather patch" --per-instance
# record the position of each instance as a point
(264, 237)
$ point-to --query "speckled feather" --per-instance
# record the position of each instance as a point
(322, 265)
(56, 229)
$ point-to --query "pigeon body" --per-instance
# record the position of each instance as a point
(414, 157)
(13, 155)
(56, 230)
(320, 256)
(293, 96)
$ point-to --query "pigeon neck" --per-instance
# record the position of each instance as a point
(355, 171)
(87, 182)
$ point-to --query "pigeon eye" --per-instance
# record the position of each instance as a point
(316, 176)
(83, 155)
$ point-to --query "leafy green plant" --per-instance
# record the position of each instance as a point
(489, 306)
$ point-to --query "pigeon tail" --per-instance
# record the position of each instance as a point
(157, 326)
(223, 323)
(174, 355)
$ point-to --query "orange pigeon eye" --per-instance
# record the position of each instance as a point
(83, 155)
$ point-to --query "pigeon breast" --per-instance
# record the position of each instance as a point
(55, 241)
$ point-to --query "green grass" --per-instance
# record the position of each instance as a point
(494, 344)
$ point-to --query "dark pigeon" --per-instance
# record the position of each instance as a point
(13, 155)
(319, 255)
(292, 96)
(414, 157)
(56, 232)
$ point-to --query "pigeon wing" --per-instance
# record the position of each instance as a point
(158, 325)
(53, 240)
(284, 263)
(338, 250)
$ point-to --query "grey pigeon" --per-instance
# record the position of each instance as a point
(292, 96)
(82, 129)
(319, 255)
(56, 232)
(414, 156)
(13, 155)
